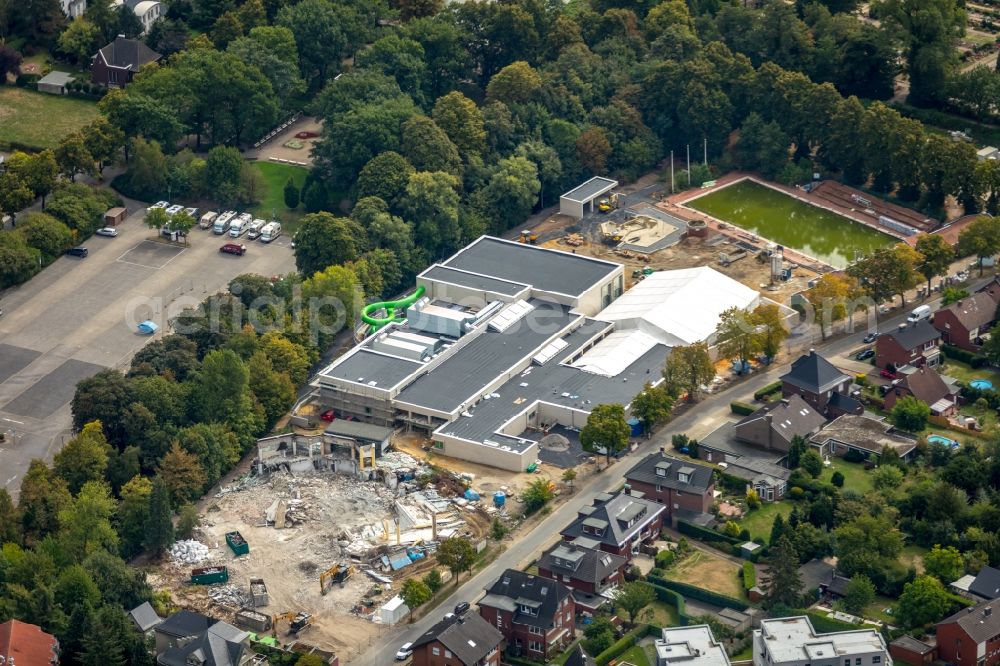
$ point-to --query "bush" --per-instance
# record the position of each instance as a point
(837, 479)
(768, 390)
(665, 558)
(697, 593)
(622, 645)
(854, 456)
(749, 575)
(967, 357)
(741, 408)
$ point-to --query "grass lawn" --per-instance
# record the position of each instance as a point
(964, 372)
(855, 474)
(635, 656)
(37, 119)
(877, 610)
(275, 176)
(759, 521)
(746, 654)
(660, 614)
(710, 573)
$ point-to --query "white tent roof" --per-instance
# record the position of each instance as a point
(679, 307)
(612, 355)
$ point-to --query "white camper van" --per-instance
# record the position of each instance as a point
(207, 220)
(253, 229)
(270, 231)
(240, 225)
(222, 222)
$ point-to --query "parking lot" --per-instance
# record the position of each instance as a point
(79, 316)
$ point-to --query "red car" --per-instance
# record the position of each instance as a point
(328, 416)
(888, 374)
(233, 248)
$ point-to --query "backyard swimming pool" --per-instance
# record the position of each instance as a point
(981, 384)
(800, 226)
(941, 439)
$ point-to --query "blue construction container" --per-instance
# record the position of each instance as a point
(636, 426)
(499, 499)
(471, 495)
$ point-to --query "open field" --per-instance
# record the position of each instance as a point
(35, 119)
(708, 572)
(789, 222)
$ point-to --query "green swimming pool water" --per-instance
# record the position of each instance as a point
(792, 223)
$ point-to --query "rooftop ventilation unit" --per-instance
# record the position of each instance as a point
(510, 315)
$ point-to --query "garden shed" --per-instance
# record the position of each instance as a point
(55, 83)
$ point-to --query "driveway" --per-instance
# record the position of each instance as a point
(78, 316)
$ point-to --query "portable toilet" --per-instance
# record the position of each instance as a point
(636, 426)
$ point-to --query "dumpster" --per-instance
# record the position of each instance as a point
(248, 618)
(209, 575)
(237, 543)
(258, 590)
(635, 425)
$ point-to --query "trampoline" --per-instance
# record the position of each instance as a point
(981, 384)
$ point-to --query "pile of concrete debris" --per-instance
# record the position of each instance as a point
(230, 596)
(188, 552)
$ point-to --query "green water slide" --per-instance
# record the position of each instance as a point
(390, 308)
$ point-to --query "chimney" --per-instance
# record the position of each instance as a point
(987, 611)
(663, 451)
(627, 490)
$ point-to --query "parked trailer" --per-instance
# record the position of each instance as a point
(237, 543)
(259, 592)
(253, 229)
(222, 222)
(270, 231)
(207, 220)
(248, 618)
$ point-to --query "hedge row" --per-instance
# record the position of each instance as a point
(520, 661)
(705, 534)
(622, 645)
(967, 357)
(733, 484)
(973, 394)
(770, 389)
(698, 593)
(749, 575)
(742, 408)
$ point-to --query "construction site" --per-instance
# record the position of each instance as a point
(318, 553)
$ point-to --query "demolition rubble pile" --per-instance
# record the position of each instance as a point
(230, 595)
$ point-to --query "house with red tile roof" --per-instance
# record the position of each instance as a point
(26, 644)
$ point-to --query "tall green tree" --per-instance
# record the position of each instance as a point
(457, 554)
(652, 406)
(980, 239)
(159, 527)
(736, 336)
(859, 595)
(84, 458)
(633, 597)
(687, 369)
(923, 601)
(415, 593)
(786, 584)
(606, 429)
(937, 255)
(325, 240)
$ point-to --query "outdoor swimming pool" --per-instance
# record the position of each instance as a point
(981, 384)
(800, 226)
(941, 439)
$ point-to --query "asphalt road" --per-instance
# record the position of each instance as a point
(78, 317)
(708, 414)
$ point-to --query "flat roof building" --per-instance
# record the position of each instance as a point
(580, 200)
(792, 641)
(507, 341)
(690, 646)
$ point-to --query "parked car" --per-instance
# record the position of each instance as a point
(870, 338)
(888, 374)
(328, 416)
(865, 354)
(111, 232)
(78, 251)
(461, 608)
(405, 652)
(233, 248)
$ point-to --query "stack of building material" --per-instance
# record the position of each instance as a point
(188, 552)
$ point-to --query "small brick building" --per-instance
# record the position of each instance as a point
(971, 637)
(537, 616)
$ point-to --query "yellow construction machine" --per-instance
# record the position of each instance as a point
(609, 204)
(529, 237)
(296, 622)
(338, 573)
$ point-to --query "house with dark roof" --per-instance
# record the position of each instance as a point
(825, 388)
(536, 615)
(768, 479)
(592, 574)
(463, 640)
(863, 434)
(117, 63)
(964, 322)
(774, 425)
(180, 629)
(915, 344)
(221, 644)
(686, 489)
(23, 644)
(971, 637)
(925, 385)
(986, 585)
(618, 523)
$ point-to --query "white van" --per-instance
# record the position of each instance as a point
(240, 225)
(270, 231)
(253, 229)
(207, 220)
(158, 204)
(221, 224)
(922, 312)
(173, 210)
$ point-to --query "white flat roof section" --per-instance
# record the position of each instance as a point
(612, 355)
(594, 187)
(690, 646)
(680, 307)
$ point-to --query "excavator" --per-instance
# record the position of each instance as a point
(296, 622)
(609, 204)
(338, 573)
